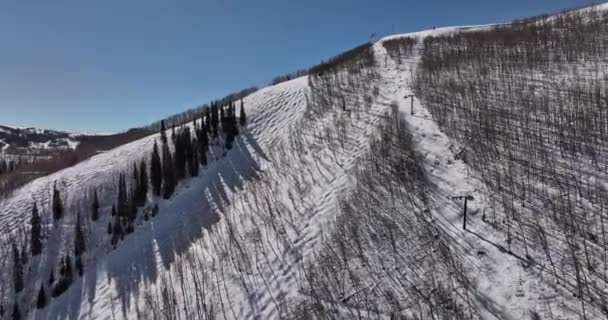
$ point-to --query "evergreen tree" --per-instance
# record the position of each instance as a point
(173, 132)
(234, 124)
(243, 117)
(51, 277)
(135, 185)
(194, 161)
(223, 119)
(214, 120)
(231, 127)
(79, 242)
(163, 134)
(169, 181)
(116, 230)
(203, 140)
(110, 227)
(207, 118)
(65, 270)
(17, 269)
(180, 157)
(95, 207)
(36, 232)
(57, 204)
(156, 174)
(143, 182)
(113, 210)
(41, 302)
(79, 266)
(24, 255)
(16, 313)
(68, 273)
(188, 150)
(122, 205)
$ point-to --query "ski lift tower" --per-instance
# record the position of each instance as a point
(411, 96)
(466, 196)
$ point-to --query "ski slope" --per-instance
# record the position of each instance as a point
(254, 218)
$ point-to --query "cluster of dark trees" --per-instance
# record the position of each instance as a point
(195, 113)
(7, 166)
(68, 266)
(528, 103)
(131, 196)
(179, 156)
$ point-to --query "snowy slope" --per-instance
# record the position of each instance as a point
(237, 240)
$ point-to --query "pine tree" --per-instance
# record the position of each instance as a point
(79, 266)
(36, 232)
(117, 232)
(95, 207)
(163, 134)
(173, 137)
(68, 274)
(223, 119)
(243, 117)
(203, 140)
(122, 206)
(188, 150)
(207, 118)
(214, 120)
(180, 157)
(234, 124)
(65, 270)
(143, 182)
(231, 127)
(169, 181)
(113, 210)
(79, 242)
(51, 277)
(135, 185)
(41, 302)
(194, 161)
(57, 204)
(156, 174)
(16, 313)
(24, 255)
(17, 269)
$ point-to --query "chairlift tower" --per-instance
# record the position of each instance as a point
(466, 196)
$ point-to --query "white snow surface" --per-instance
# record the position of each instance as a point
(115, 279)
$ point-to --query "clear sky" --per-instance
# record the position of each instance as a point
(108, 65)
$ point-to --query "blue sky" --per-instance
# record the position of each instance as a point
(105, 66)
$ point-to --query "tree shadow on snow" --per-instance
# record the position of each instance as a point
(133, 264)
(181, 220)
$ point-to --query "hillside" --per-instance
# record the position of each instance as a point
(342, 195)
(17, 141)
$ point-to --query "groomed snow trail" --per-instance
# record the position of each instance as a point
(506, 286)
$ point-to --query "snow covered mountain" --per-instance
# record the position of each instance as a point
(22, 139)
(342, 197)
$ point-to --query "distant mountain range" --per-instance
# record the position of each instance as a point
(24, 140)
